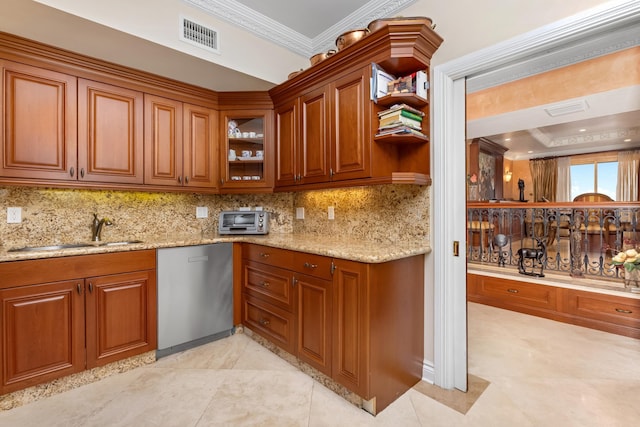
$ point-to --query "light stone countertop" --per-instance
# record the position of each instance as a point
(344, 248)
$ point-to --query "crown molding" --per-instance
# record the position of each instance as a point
(262, 26)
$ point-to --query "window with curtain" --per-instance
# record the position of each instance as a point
(596, 173)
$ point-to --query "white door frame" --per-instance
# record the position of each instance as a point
(448, 171)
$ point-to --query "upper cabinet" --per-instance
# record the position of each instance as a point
(246, 147)
(180, 144)
(110, 133)
(39, 123)
(322, 135)
(326, 119)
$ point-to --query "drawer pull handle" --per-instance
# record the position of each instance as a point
(265, 284)
(513, 291)
(308, 265)
(264, 322)
(79, 289)
(264, 254)
(621, 310)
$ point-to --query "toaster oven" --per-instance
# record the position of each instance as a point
(243, 222)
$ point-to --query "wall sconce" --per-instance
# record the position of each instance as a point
(507, 176)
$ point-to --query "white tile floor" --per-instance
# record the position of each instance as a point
(541, 373)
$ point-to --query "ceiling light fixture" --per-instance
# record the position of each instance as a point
(627, 140)
(507, 139)
(582, 130)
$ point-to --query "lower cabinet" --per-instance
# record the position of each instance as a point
(54, 325)
(610, 313)
(360, 324)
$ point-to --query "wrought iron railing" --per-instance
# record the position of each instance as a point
(569, 238)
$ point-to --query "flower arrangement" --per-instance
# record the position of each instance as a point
(472, 179)
(629, 259)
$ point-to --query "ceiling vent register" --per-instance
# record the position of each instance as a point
(199, 35)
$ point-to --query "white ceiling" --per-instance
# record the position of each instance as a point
(305, 27)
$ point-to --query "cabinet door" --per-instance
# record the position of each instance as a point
(39, 132)
(110, 136)
(314, 322)
(350, 130)
(42, 333)
(120, 316)
(351, 326)
(200, 147)
(315, 143)
(162, 141)
(287, 143)
(246, 154)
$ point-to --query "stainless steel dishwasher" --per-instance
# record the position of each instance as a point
(195, 296)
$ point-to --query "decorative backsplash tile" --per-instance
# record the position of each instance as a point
(385, 213)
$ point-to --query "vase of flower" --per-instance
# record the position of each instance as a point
(630, 262)
(632, 280)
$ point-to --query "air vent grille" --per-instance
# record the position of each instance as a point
(199, 35)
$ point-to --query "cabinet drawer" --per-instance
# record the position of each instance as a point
(312, 265)
(515, 292)
(607, 308)
(273, 323)
(269, 283)
(273, 256)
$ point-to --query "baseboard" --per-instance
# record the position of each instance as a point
(428, 372)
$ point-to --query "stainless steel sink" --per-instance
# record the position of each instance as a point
(50, 248)
(74, 246)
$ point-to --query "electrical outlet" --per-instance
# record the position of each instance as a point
(202, 212)
(14, 215)
(299, 213)
(331, 213)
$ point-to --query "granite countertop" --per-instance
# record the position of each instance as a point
(345, 248)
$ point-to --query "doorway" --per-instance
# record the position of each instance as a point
(448, 154)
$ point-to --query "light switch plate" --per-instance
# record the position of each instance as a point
(14, 215)
(299, 213)
(202, 212)
(331, 213)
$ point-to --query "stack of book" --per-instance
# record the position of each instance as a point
(400, 119)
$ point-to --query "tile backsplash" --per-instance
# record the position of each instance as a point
(381, 213)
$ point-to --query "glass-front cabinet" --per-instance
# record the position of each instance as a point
(246, 150)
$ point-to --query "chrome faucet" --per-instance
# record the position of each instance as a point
(96, 227)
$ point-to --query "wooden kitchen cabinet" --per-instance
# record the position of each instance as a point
(326, 121)
(360, 324)
(110, 133)
(180, 143)
(42, 333)
(63, 315)
(246, 152)
(322, 135)
(120, 317)
(39, 123)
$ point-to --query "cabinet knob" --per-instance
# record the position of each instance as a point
(90, 287)
(513, 291)
(186, 179)
(264, 322)
(180, 179)
(264, 254)
(81, 172)
(265, 284)
(79, 289)
(72, 171)
(309, 265)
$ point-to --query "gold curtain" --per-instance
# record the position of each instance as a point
(544, 173)
(627, 186)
